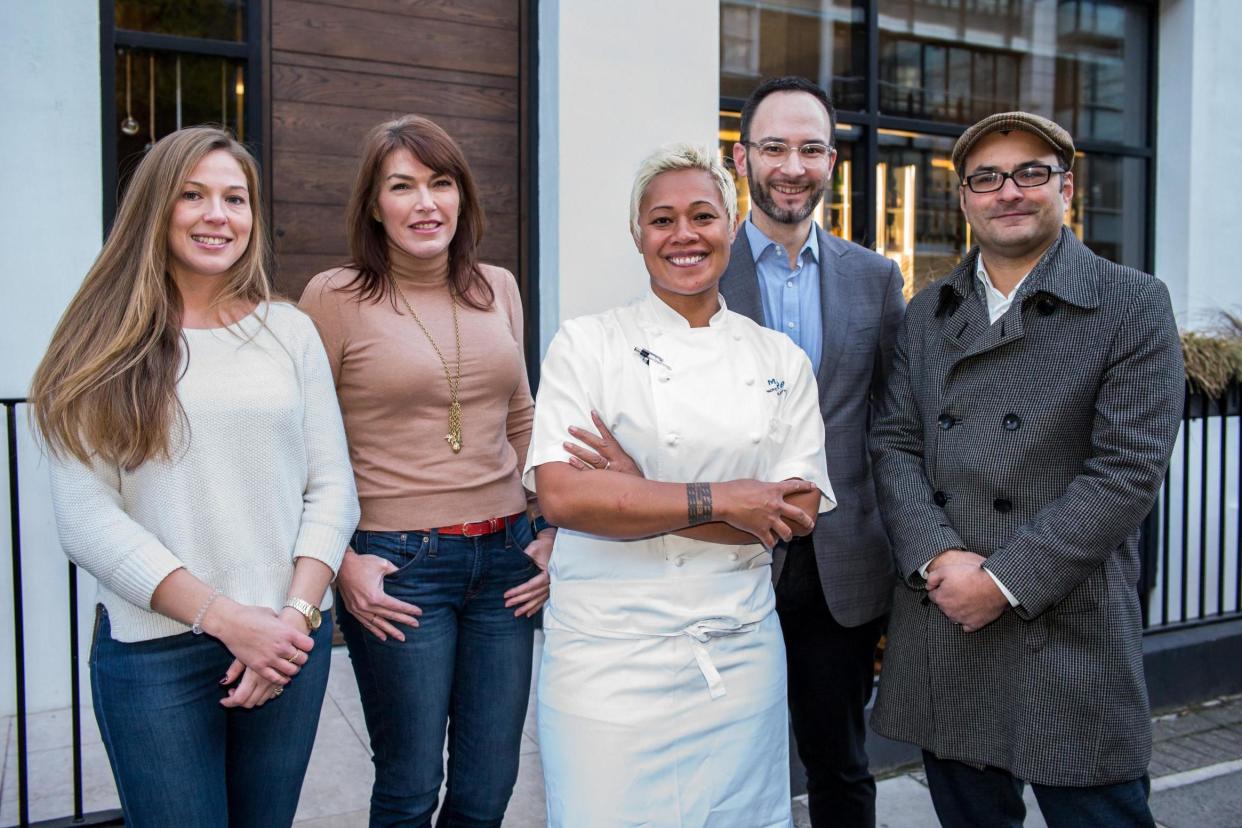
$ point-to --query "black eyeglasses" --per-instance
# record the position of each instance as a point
(1035, 175)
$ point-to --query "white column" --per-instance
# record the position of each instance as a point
(1198, 155)
(49, 91)
(616, 81)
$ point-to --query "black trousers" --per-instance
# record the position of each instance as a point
(831, 674)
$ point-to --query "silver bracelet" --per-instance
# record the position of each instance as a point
(197, 626)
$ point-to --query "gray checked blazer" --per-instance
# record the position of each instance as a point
(860, 294)
(1039, 442)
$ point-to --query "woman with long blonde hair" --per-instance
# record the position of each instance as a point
(199, 472)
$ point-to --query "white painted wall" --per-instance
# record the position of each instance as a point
(49, 87)
(617, 80)
(1198, 148)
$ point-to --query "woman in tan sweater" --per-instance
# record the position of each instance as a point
(444, 575)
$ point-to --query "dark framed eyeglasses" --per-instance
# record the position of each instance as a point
(1034, 175)
(776, 153)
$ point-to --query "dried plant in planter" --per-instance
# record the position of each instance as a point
(1214, 358)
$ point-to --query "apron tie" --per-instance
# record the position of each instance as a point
(700, 633)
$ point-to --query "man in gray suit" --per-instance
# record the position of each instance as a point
(1034, 400)
(842, 304)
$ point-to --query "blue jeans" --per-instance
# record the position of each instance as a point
(966, 797)
(466, 666)
(181, 759)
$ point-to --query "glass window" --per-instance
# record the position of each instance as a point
(823, 40)
(919, 222)
(159, 92)
(1109, 209)
(1082, 63)
(839, 211)
(215, 19)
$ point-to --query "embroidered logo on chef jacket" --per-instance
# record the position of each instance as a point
(776, 386)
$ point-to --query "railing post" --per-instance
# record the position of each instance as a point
(19, 637)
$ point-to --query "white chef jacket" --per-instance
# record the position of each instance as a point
(728, 401)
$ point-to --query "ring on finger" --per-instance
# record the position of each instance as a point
(277, 691)
(607, 463)
(293, 659)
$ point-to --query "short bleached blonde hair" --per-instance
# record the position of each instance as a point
(681, 156)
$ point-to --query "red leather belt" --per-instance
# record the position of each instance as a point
(477, 528)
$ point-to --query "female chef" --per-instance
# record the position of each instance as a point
(662, 687)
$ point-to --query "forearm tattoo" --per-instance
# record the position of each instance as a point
(699, 503)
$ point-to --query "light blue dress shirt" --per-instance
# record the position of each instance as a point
(790, 297)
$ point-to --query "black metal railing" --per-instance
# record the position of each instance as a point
(79, 815)
(1191, 542)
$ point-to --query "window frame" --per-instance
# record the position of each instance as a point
(870, 121)
(248, 52)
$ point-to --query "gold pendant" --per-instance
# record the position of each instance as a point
(454, 436)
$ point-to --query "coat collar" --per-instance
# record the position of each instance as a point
(1066, 271)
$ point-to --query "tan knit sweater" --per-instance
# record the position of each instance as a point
(395, 399)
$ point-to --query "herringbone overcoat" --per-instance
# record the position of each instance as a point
(1039, 442)
(862, 307)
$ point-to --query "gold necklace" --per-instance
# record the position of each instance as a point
(453, 438)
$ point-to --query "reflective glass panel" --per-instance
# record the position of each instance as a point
(1109, 210)
(840, 211)
(1082, 63)
(159, 92)
(215, 19)
(919, 222)
(823, 40)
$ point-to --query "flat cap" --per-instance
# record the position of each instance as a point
(1053, 133)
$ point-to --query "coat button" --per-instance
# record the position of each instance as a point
(750, 380)
(946, 421)
(663, 377)
(1002, 505)
(756, 438)
(1046, 306)
(940, 498)
(733, 556)
(671, 439)
(679, 561)
(1012, 422)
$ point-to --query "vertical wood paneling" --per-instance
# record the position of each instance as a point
(339, 68)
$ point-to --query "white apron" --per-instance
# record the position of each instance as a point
(661, 695)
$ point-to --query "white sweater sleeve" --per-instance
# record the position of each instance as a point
(99, 536)
(330, 502)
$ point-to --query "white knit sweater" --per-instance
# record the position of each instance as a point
(260, 477)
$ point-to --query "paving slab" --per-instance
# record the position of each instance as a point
(1213, 803)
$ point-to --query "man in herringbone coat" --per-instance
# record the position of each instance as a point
(1030, 413)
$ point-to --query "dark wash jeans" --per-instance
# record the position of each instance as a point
(466, 666)
(967, 797)
(179, 758)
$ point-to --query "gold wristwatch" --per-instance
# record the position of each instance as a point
(309, 611)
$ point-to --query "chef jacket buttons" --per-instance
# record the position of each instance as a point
(750, 380)
(946, 421)
(940, 498)
(1046, 306)
(671, 439)
(1002, 505)
(663, 378)
(755, 438)
(679, 561)
(733, 556)
(1012, 422)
